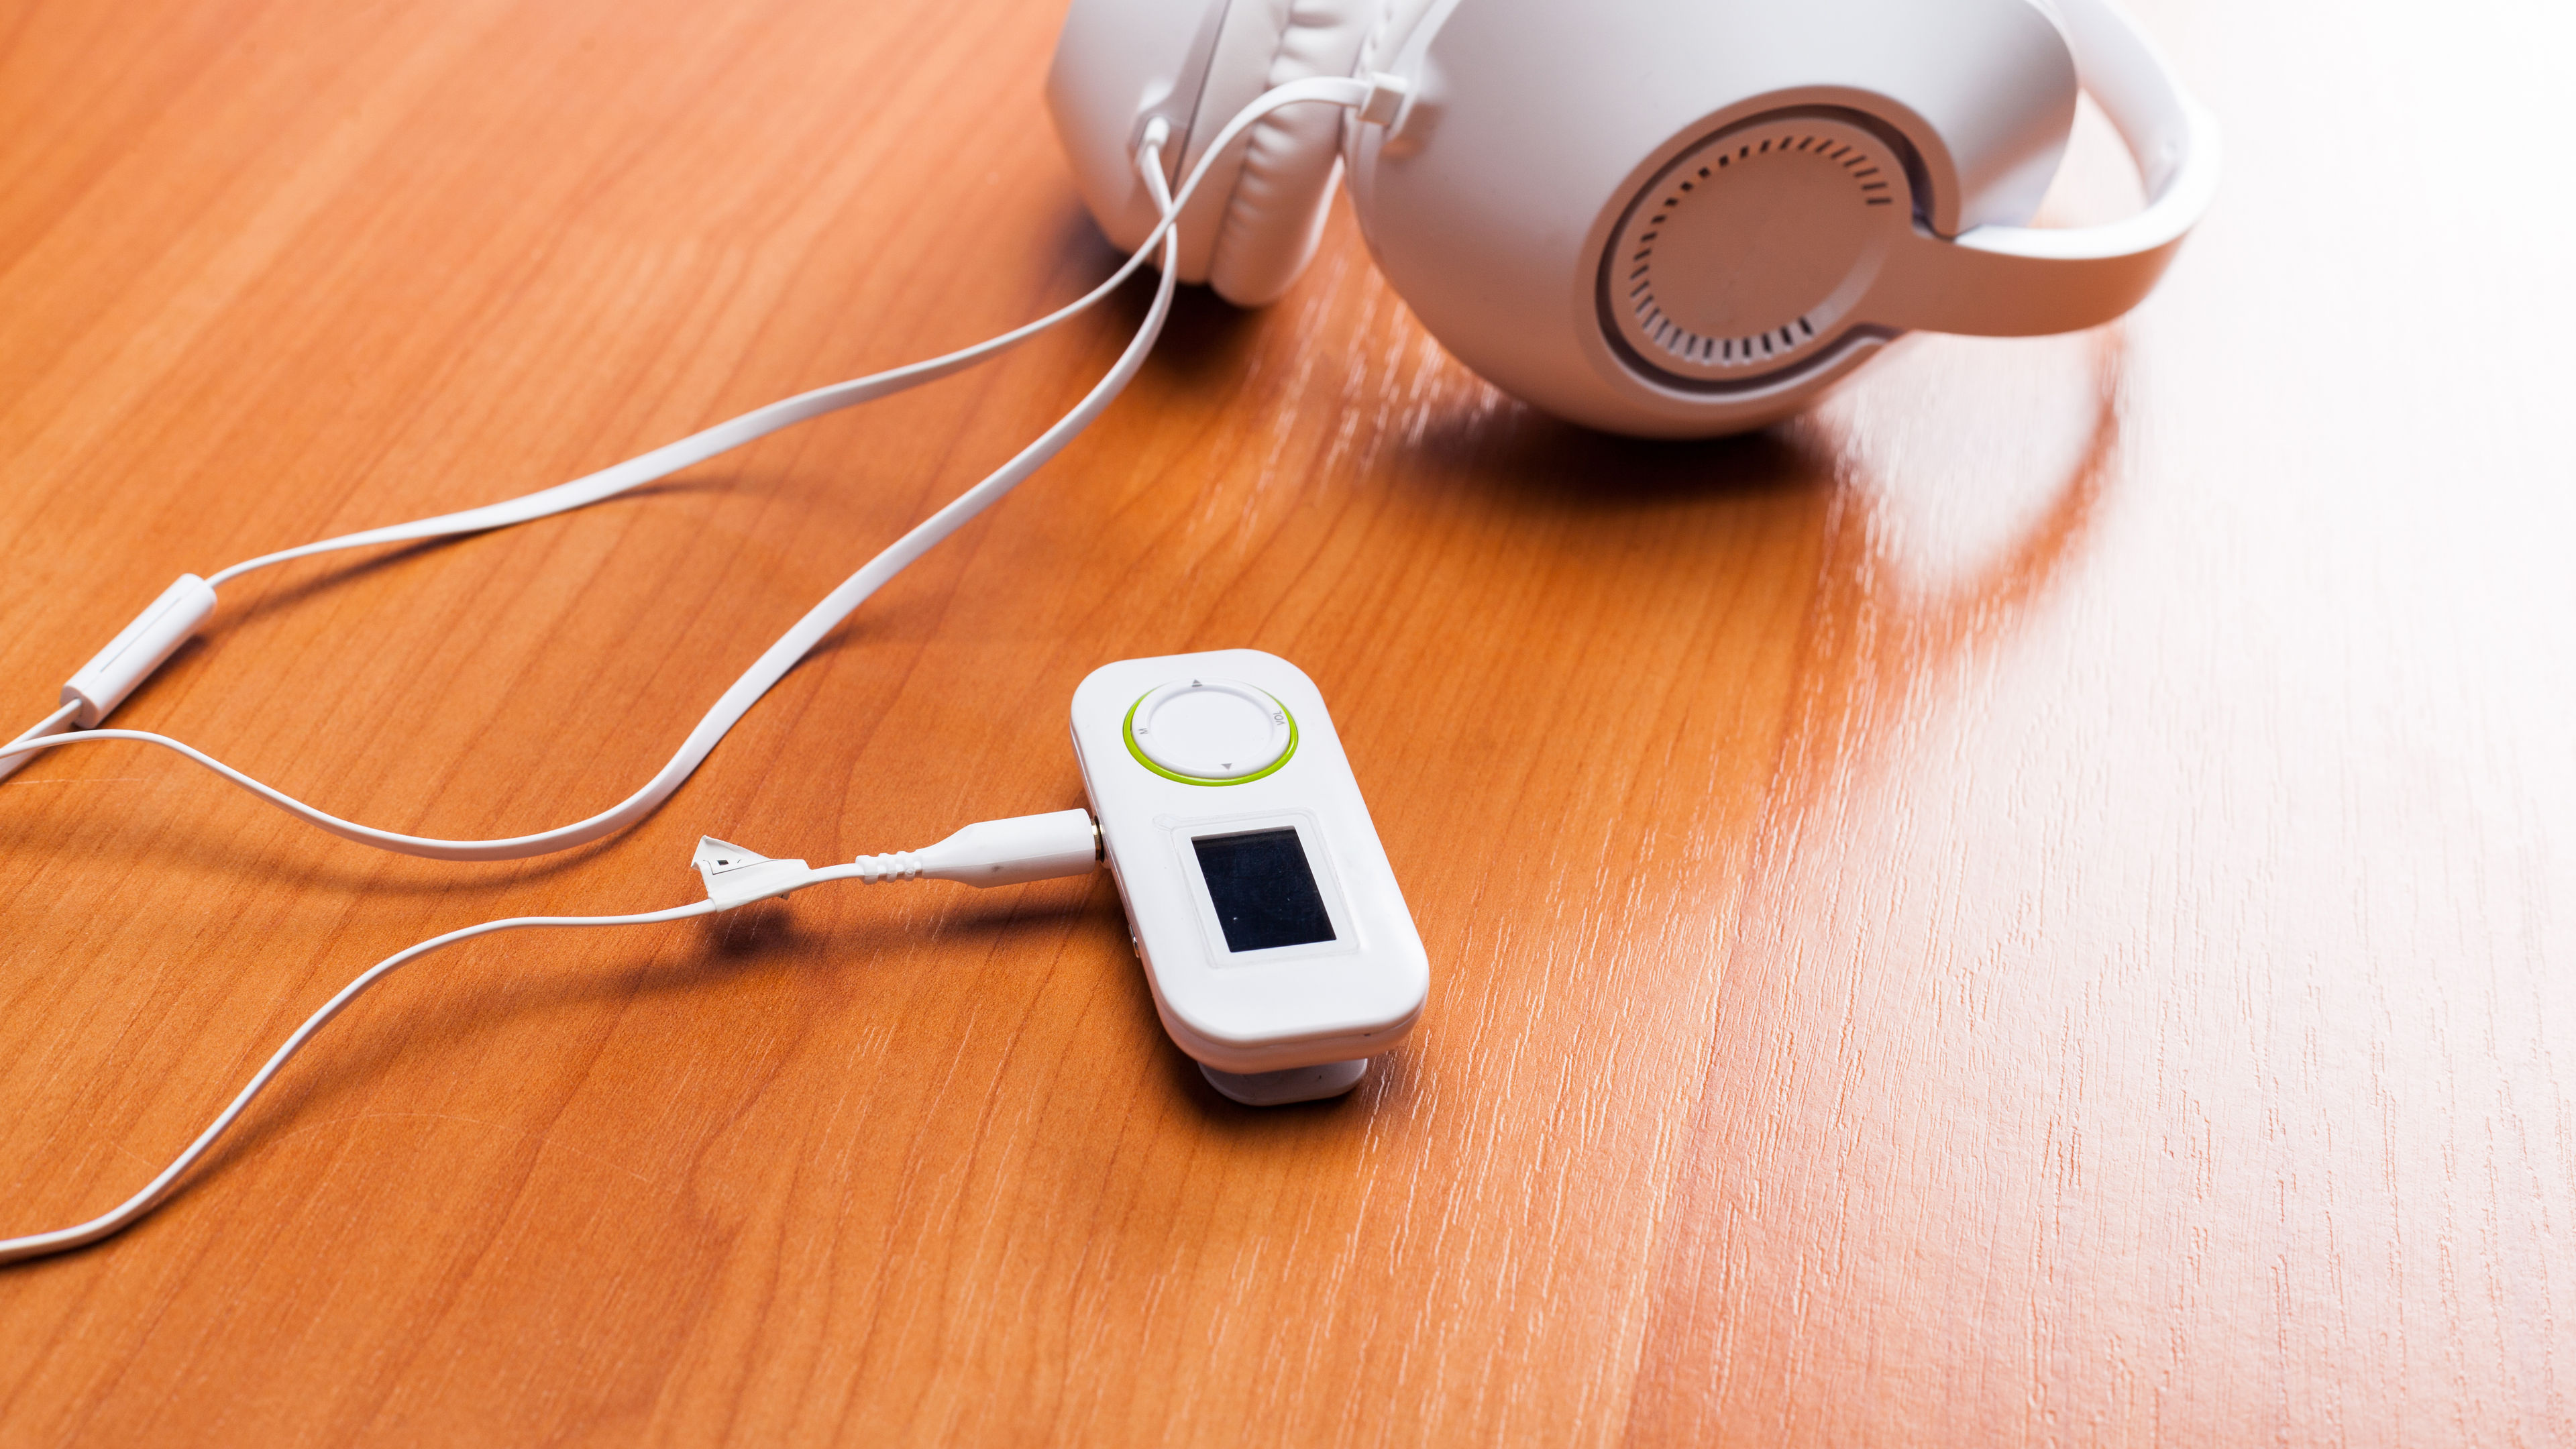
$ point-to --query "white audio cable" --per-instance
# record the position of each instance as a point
(106, 680)
(990, 853)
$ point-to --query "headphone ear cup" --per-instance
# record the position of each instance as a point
(1113, 60)
(1273, 211)
(1254, 221)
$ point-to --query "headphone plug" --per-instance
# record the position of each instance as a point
(993, 853)
(986, 853)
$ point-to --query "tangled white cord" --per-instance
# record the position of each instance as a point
(780, 657)
(987, 853)
(990, 853)
(37, 1245)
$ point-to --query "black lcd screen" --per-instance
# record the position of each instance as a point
(1263, 889)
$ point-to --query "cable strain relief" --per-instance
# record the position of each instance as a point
(894, 865)
(1386, 101)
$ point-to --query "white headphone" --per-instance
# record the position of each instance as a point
(1674, 218)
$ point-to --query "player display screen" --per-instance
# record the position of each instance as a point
(1263, 889)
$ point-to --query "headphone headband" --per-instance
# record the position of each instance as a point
(2016, 281)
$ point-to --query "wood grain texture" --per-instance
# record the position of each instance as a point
(2030, 906)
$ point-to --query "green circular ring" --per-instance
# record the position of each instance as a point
(1127, 732)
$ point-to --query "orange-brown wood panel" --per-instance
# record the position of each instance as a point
(2019, 908)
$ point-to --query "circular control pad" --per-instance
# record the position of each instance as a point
(1210, 732)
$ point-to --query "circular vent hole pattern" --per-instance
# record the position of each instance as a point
(1746, 252)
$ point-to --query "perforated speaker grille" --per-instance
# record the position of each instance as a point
(1743, 256)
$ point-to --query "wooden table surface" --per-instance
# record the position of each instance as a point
(2017, 909)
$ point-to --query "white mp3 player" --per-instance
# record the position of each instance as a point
(1268, 920)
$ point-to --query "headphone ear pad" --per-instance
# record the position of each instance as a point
(1274, 210)
(1113, 59)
